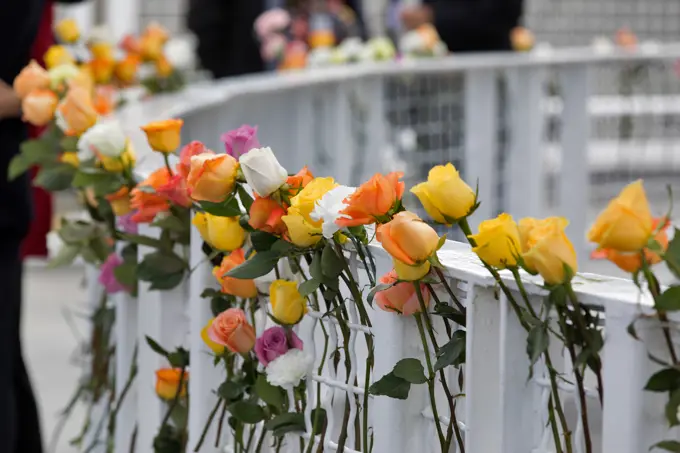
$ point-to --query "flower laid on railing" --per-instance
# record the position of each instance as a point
(424, 41)
(522, 39)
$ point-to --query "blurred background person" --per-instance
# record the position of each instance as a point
(19, 424)
(467, 25)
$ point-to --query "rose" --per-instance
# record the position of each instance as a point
(211, 177)
(151, 48)
(176, 191)
(299, 181)
(287, 370)
(275, 342)
(39, 107)
(262, 171)
(167, 383)
(157, 31)
(373, 200)
(120, 202)
(70, 158)
(126, 224)
(130, 44)
(626, 223)
(272, 47)
(548, 250)
(107, 277)
(231, 329)
(118, 164)
(271, 21)
(102, 69)
(77, 111)
(148, 205)
(266, 215)
(409, 240)
(303, 231)
(288, 305)
(163, 66)
(126, 69)
(217, 348)
(222, 233)
(239, 141)
(67, 31)
(329, 207)
(243, 288)
(101, 50)
(522, 39)
(498, 242)
(67, 73)
(400, 297)
(163, 136)
(445, 196)
(188, 151)
(103, 100)
(32, 77)
(57, 55)
(103, 140)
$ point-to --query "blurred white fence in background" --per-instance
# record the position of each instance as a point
(540, 134)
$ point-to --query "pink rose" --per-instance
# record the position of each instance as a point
(239, 141)
(273, 47)
(192, 149)
(106, 277)
(275, 342)
(272, 21)
(176, 191)
(400, 298)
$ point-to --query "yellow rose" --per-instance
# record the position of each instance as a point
(101, 51)
(445, 196)
(408, 239)
(222, 233)
(102, 69)
(117, 164)
(67, 31)
(120, 201)
(549, 250)
(302, 230)
(163, 136)
(288, 305)
(56, 56)
(70, 158)
(626, 223)
(151, 47)
(217, 348)
(163, 66)
(410, 273)
(498, 242)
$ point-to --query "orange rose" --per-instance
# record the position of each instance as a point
(163, 136)
(188, 151)
(148, 205)
(176, 191)
(298, 181)
(212, 177)
(400, 298)
(126, 69)
(372, 200)
(163, 66)
(234, 286)
(266, 215)
(151, 47)
(632, 262)
(167, 383)
(120, 202)
(103, 100)
(101, 51)
(39, 107)
(156, 31)
(231, 329)
(626, 39)
(32, 77)
(102, 69)
(78, 111)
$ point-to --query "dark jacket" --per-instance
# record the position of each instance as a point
(476, 25)
(227, 45)
(18, 26)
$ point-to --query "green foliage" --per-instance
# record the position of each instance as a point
(246, 412)
(55, 177)
(392, 386)
(258, 265)
(286, 423)
(270, 394)
(453, 352)
(669, 300)
(666, 380)
(227, 208)
(164, 270)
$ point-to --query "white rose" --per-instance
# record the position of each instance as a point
(328, 209)
(106, 139)
(382, 48)
(287, 370)
(262, 171)
(321, 56)
(411, 43)
(61, 74)
(352, 48)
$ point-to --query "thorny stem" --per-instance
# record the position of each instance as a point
(447, 325)
(260, 441)
(211, 417)
(448, 289)
(652, 283)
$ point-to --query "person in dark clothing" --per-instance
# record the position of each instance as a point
(19, 424)
(468, 25)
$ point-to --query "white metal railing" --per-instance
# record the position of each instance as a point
(336, 121)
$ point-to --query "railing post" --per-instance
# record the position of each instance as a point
(161, 317)
(375, 131)
(574, 175)
(524, 178)
(122, 17)
(481, 138)
(83, 13)
(205, 377)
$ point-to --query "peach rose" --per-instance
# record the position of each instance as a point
(236, 287)
(373, 200)
(163, 136)
(212, 177)
(400, 298)
(78, 111)
(39, 107)
(32, 77)
(120, 202)
(176, 191)
(103, 100)
(266, 215)
(231, 329)
(188, 151)
(148, 205)
(168, 383)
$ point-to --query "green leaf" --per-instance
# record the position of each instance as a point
(126, 274)
(666, 380)
(392, 386)
(260, 264)
(227, 208)
(158, 349)
(76, 232)
(448, 312)
(141, 240)
(18, 166)
(230, 391)
(331, 263)
(537, 342)
(268, 393)
(67, 253)
(247, 412)
(162, 269)
(286, 423)
(668, 445)
(55, 178)
(672, 255)
(671, 409)
(246, 199)
(453, 352)
(262, 241)
(129, 253)
(308, 287)
(179, 358)
(321, 422)
(69, 143)
(669, 299)
(315, 267)
(210, 292)
(171, 223)
(39, 152)
(376, 289)
(410, 370)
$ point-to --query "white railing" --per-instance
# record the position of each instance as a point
(337, 122)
